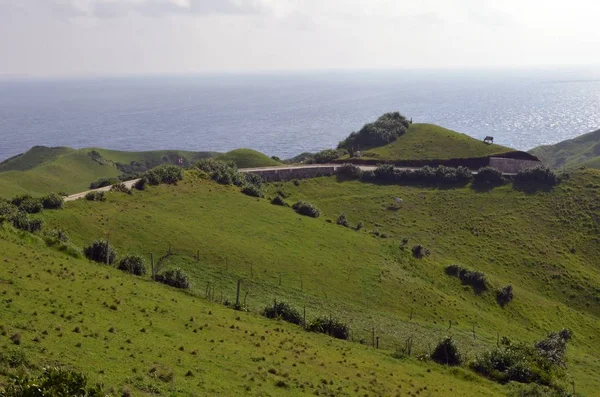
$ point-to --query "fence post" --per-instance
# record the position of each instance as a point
(474, 331)
(152, 265)
(237, 295)
(377, 342)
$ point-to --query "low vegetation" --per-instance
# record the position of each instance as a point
(95, 196)
(447, 352)
(100, 251)
(306, 209)
(175, 278)
(329, 326)
(284, 311)
(384, 130)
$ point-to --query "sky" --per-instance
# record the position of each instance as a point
(124, 37)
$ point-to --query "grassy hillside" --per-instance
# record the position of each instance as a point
(375, 283)
(248, 158)
(43, 170)
(581, 151)
(148, 339)
(428, 141)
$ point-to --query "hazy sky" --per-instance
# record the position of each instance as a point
(75, 37)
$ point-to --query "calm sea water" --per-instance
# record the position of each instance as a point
(285, 115)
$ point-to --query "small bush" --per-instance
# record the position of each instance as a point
(504, 295)
(253, 191)
(28, 204)
(446, 352)
(419, 251)
(283, 311)
(166, 173)
(53, 201)
(225, 173)
(97, 252)
(452, 270)
(328, 155)
(343, 221)
(554, 346)
(175, 278)
(22, 221)
(278, 200)
(350, 171)
(307, 209)
(140, 184)
(536, 177)
(475, 279)
(330, 326)
(133, 264)
(253, 179)
(59, 235)
(489, 176)
(103, 182)
(120, 187)
(52, 382)
(358, 226)
(95, 196)
(381, 132)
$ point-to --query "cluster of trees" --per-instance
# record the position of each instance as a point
(17, 211)
(226, 173)
(381, 132)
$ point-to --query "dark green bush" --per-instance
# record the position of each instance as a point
(166, 173)
(441, 175)
(307, 209)
(350, 171)
(554, 346)
(53, 201)
(120, 187)
(28, 204)
(140, 184)
(504, 295)
(489, 176)
(252, 190)
(475, 279)
(328, 155)
(343, 221)
(330, 326)
(59, 235)
(53, 382)
(97, 252)
(175, 278)
(536, 177)
(452, 270)
(278, 200)
(7, 211)
(253, 179)
(358, 226)
(22, 221)
(283, 311)
(419, 251)
(225, 173)
(95, 196)
(102, 182)
(386, 129)
(133, 264)
(446, 352)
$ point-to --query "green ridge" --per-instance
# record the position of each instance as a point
(583, 151)
(248, 158)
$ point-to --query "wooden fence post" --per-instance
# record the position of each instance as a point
(377, 343)
(237, 295)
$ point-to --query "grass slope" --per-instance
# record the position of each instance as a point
(372, 282)
(428, 142)
(43, 170)
(248, 158)
(132, 334)
(581, 151)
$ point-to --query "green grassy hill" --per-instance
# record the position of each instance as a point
(372, 283)
(248, 158)
(428, 142)
(583, 151)
(43, 170)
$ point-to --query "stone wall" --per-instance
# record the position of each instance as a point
(512, 166)
(288, 174)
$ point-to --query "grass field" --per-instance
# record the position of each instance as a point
(375, 283)
(43, 170)
(583, 151)
(248, 158)
(428, 141)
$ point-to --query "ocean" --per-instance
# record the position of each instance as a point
(286, 114)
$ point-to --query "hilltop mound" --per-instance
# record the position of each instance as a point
(432, 142)
(36, 156)
(248, 158)
(581, 151)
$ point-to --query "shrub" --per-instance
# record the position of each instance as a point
(419, 251)
(252, 190)
(59, 235)
(97, 252)
(253, 179)
(283, 311)
(278, 200)
(175, 278)
(328, 155)
(307, 209)
(350, 171)
(504, 295)
(330, 326)
(536, 177)
(53, 201)
(475, 279)
(386, 129)
(554, 346)
(133, 264)
(95, 196)
(358, 226)
(489, 176)
(102, 182)
(120, 187)
(222, 172)
(28, 204)
(140, 184)
(166, 173)
(23, 222)
(52, 382)
(452, 270)
(342, 220)
(7, 211)
(446, 352)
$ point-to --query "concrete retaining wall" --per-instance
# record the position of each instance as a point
(512, 166)
(287, 174)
